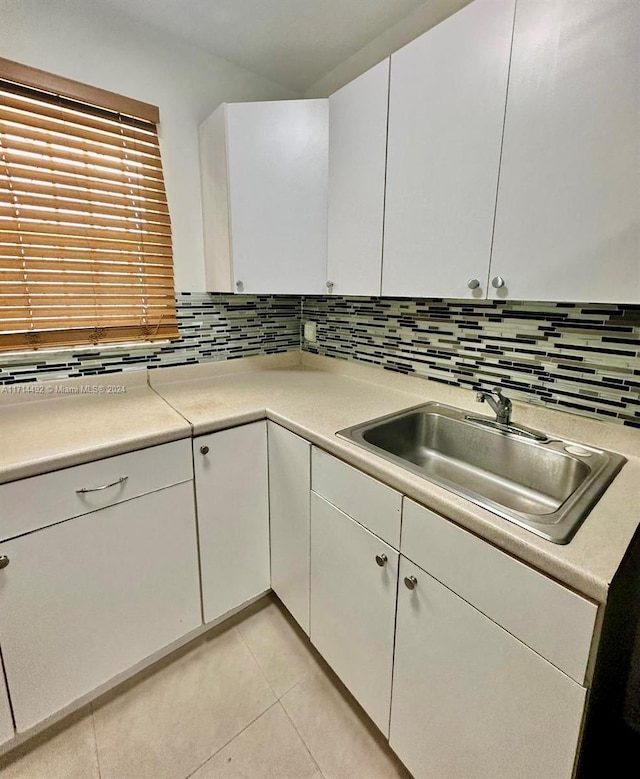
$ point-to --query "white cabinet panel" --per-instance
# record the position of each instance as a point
(29, 504)
(568, 213)
(357, 156)
(367, 500)
(469, 700)
(353, 602)
(264, 169)
(84, 600)
(233, 516)
(553, 620)
(6, 721)
(290, 520)
(446, 113)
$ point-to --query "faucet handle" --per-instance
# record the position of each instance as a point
(480, 396)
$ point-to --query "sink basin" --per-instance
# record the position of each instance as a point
(546, 485)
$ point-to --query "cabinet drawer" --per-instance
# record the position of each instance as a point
(370, 503)
(39, 501)
(551, 619)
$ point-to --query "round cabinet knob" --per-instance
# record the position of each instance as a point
(381, 559)
(410, 582)
(239, 285)
(4, 561)
(329, 286)
(473, 283)
(204, 450)
(497, 282)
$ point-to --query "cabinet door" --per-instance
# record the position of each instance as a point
(357, 156)
(86, 599)
(469, 700)
(446, 113)
(277, 169)
(568, 213)
(290, 520)
(233, 516)
(353, 602)
(6, 721)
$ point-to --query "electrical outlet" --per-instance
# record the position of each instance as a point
(310, 331)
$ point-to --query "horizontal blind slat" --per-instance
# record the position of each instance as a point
(52, 339)
(47, 208)
(45, 190)
(12, 110)
(84, 179)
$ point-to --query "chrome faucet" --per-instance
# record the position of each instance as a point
(501, 405)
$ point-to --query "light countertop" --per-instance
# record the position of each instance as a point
(315, 397)
(51, 425)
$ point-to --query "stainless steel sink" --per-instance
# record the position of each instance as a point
(546, 485)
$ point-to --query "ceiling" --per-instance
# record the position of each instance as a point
(293, 42)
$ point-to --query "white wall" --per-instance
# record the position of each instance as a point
(74, 38)
(425, 17)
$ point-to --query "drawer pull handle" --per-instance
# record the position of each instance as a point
(410, 582)
(381, 559)
(204, 450)
(4, 561)
(121, 480)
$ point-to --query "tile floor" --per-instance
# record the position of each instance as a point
(251, 700)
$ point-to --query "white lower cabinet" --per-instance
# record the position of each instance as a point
(232, 498)
(354, 581)
(289, 506)
(6, 722)
(470, 701)
(86, 599)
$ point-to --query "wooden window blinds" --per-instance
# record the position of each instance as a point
(85, 233)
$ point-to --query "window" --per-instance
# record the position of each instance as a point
(85, 233)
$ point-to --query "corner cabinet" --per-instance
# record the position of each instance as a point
(289, 509)
(446, 112)
(264, 190)
(568, 213)
(232, 497)
(469, 699)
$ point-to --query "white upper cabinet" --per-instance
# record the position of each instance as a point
(357, 153)
(568, 213)
(446, 113)
(264, 169)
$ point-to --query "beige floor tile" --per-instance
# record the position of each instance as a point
(270, 748)
(168, 724)
(335, 732)
(70, 754)
(282, 650)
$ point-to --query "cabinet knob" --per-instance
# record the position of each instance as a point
(497, 282)
(381, 559)
(473, 283)
(239, 285)
(204, 450)
(410, 582)
(4, 561)
(329, 286)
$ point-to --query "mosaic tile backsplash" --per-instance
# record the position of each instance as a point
(212, 327)
(582, 358)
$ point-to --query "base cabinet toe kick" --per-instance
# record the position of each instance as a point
(465, 658)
